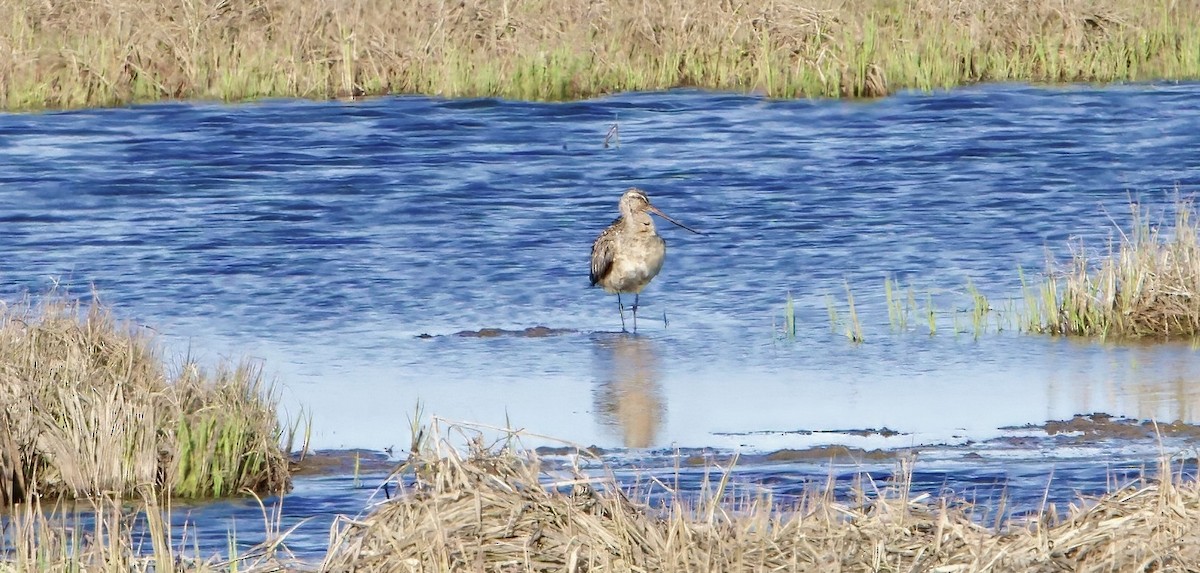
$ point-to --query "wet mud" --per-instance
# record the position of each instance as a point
(861, 433)
(568, 451)
(1098, 427)
(530, 332)
(1080, 431)
(839, 454)
(341, 462)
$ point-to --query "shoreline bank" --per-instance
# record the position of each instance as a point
(74, 55)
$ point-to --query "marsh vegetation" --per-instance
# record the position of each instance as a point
(90, 408)
(1143, 283)
(495, 506)
(112, 52)
(98, 435)
(463, 502)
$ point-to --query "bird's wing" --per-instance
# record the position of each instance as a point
(603, 251)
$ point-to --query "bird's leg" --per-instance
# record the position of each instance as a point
(635, 305)
(621, 309)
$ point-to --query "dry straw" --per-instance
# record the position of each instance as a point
(106, 52)
(88, 409)
(496, 509)
(109, 533)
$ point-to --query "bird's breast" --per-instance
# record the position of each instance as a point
(638, 260)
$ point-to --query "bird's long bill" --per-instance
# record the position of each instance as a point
(655, 210)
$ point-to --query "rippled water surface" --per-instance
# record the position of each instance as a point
(325, 238)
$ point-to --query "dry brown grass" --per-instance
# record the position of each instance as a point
(88, 409)
(57, 53)
(114, 534)
(1146, 284)
(490, 510)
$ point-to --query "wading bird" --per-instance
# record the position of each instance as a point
(629, 253)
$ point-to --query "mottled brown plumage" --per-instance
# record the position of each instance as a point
(629, 253)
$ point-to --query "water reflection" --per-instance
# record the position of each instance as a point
(628, 393)
(1148, 380)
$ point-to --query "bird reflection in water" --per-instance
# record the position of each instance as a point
(628, 396)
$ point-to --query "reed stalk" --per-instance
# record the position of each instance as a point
(980, 309)
(109, 533)
(930, 314)
(789, 318)
(895, 309)
(831, 308)
(854, 327)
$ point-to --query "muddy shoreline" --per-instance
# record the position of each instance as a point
(1093, 430)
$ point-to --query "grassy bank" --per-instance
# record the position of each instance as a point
(109, 52)
(480, 511)
(89, 409)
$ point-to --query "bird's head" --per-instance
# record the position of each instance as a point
(634, 202)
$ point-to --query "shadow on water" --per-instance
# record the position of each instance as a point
(628, 396)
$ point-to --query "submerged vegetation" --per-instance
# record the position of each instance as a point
(111, 52)
(1143, 284)
(88, 408)
(851, 328)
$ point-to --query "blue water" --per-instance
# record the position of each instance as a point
(324, 238)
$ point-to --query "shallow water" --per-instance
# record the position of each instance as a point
(324, 238)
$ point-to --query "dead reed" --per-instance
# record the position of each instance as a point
(110, 52)
(108, 533)
(1146, 284)
(494, 508)
(87, 409)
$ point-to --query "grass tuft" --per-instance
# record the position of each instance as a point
(831, 308)
(900, 307)
(980, 309)
(1147, 284)
(87, 408)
